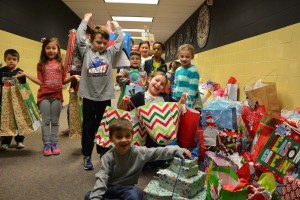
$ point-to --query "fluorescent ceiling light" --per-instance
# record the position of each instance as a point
(133, 1)
(133, 30)
(132, 19)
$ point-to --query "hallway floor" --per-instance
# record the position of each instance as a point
(27, 174)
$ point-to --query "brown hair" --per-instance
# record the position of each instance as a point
(44, 57)
(12, 52)
(144, 42)
(102, 30)
(188, 47)
(152, 75)
(119, 124)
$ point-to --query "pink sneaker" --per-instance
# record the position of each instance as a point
(47, 150)
(55, 149)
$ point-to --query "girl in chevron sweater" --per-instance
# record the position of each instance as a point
(187, 76)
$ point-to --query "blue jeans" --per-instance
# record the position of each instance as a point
(120, 192)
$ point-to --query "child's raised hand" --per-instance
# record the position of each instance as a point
(87, 16)
(115, 24)
(188, 153)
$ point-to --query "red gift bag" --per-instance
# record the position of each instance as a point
(266, 127)
(187, 130)
(252, 117)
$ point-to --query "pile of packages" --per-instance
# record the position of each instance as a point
(248, 150)
(181, 180)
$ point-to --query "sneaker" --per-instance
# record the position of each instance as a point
(20, 145)
(55, 149)
(4, 147)
(87, 163)
(47, 150)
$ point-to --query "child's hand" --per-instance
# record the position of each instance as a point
(115, 24)
(20, 74)
(188, 153)
(87, 16)
(183, 98)
(126, 99)
(76, 77)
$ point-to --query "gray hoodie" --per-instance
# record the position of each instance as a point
(125, 169)
(97, 82)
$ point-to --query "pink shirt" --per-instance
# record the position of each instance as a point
(52, 78)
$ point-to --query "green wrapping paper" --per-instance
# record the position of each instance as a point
(153, 191)
(186, 172)
(186, 187)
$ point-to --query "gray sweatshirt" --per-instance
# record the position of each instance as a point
(97, 82)
(125, 169)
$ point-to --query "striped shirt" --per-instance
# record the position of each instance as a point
(186, 80)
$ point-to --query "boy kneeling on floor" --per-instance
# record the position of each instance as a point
(122, 165)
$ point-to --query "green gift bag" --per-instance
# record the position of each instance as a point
(224, 184)
(31, 106)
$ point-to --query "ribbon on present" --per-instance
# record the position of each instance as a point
(161, 121)
(110, 114)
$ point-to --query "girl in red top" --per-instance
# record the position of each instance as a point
(51, 75)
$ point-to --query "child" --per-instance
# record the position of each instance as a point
(51, 75)
(156, 85)
(144, 48)
(96, 84)
(11, 58)
(171, 75)
(122, 165)
(134, 76)
(186, 76)
(156, 63)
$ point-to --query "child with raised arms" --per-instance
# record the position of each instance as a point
(97, 83)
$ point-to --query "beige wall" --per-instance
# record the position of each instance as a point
(29, 56)
(273, 56)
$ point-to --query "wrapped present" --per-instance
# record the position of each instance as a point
(153, 191)
(291, 188)
(110, 114)
(219, 160)
(187, 162)
(186, 187)
(184, 171)
(161, 121)
(281, 155)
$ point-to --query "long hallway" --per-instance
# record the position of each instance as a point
(26, 174)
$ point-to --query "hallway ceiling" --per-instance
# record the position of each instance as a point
(168, 15)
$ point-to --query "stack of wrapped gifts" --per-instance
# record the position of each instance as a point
(181, 180)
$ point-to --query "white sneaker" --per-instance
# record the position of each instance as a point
(20, 145)
(4, 147)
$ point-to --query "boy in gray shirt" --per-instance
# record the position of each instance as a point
(122, 165)
(97, 83)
